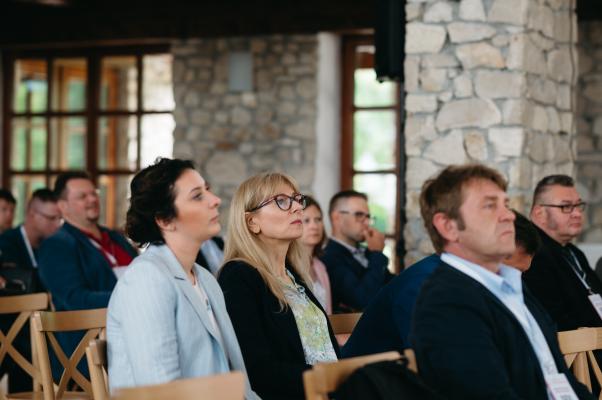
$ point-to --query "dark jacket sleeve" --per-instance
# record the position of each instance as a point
(356, 291)
(61, 272)
(244, 292)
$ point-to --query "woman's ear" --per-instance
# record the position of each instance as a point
(252, 223)
(165, 226)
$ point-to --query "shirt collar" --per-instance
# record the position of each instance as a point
(352, 249)
(507, 278)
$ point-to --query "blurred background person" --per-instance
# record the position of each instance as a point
(7, 209)
(313, 239)
(281, 327)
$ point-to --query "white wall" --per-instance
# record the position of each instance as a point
(328, 122)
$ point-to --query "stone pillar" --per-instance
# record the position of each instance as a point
(232, 136)
(589, 125)
(488, 81)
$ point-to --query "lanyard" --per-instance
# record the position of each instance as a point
(110, 257)
(28, 247)
(575, 267)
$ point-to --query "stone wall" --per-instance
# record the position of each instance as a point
(589, 125)
(487, 81)
(232, 136)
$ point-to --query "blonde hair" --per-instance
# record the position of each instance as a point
(244, 245)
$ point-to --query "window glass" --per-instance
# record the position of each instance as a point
(382, 198)
(114, 199)
(22, 187)
(157, 91)
(69, 76)
(117, 142)
(375, 140)
(31, 86)
(157, 138)
(28, 144)
(119, 83)
(68, 143)
(371, 93)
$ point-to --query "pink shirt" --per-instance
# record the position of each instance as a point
(321, 285)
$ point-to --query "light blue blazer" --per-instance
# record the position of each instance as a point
(158, 329)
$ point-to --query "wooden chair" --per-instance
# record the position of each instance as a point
(324, 378)
(25, 306)
(343, 324)
(96, 354)
(230, 386)
(578, 347)
(45, 325)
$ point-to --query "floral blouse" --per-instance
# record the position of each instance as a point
(311, 323)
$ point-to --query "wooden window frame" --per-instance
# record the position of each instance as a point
(348, 108)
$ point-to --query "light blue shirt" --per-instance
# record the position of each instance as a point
(507, 287)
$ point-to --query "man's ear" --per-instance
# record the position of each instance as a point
(447, 227)
(538, 215)
(252, 223)
(62, 204)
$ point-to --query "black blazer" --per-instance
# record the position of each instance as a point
(352, 285)
(554, 283)
(200, 257)
(268, 336)
(469, 345)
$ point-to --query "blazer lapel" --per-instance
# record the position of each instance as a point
(173, 265)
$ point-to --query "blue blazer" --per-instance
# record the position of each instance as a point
(390, 311)
(352, 285)
(159, 330)
(77, 276)
(469, 345)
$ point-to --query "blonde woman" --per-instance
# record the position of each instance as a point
(281, 327)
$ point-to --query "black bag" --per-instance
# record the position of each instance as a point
(18, 280)
(385, 380)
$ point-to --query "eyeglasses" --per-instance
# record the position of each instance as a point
(284, 201)
(51, 218)
(567, 208)
(360, 216)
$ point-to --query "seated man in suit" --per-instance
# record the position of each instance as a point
(18, 249)
(477, 333)
(211, 254)
(356, 273)
(391, 310)
(80, 263)
(560, 276)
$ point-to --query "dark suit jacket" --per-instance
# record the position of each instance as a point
(554, 283)
(469, 345)
(352, 285)
(14, 251)
(390, 311)
(268, 336)
(77, 275)
(200, 257)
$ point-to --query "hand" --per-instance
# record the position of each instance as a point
(374, 239)
(2, 283)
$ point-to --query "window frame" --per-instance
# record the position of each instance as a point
(92, 113)
(348, 109)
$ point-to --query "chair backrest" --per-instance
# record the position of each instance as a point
(344, 323)
(96, 354)
(45, 324)
(578, 347)
(324, 378)
(230, 386)
(25, 306)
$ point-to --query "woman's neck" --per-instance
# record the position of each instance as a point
(277, 255)
(186, 251)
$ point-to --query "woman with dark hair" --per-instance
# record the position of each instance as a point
(167, 318)
(281, 327)
(313, 239)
